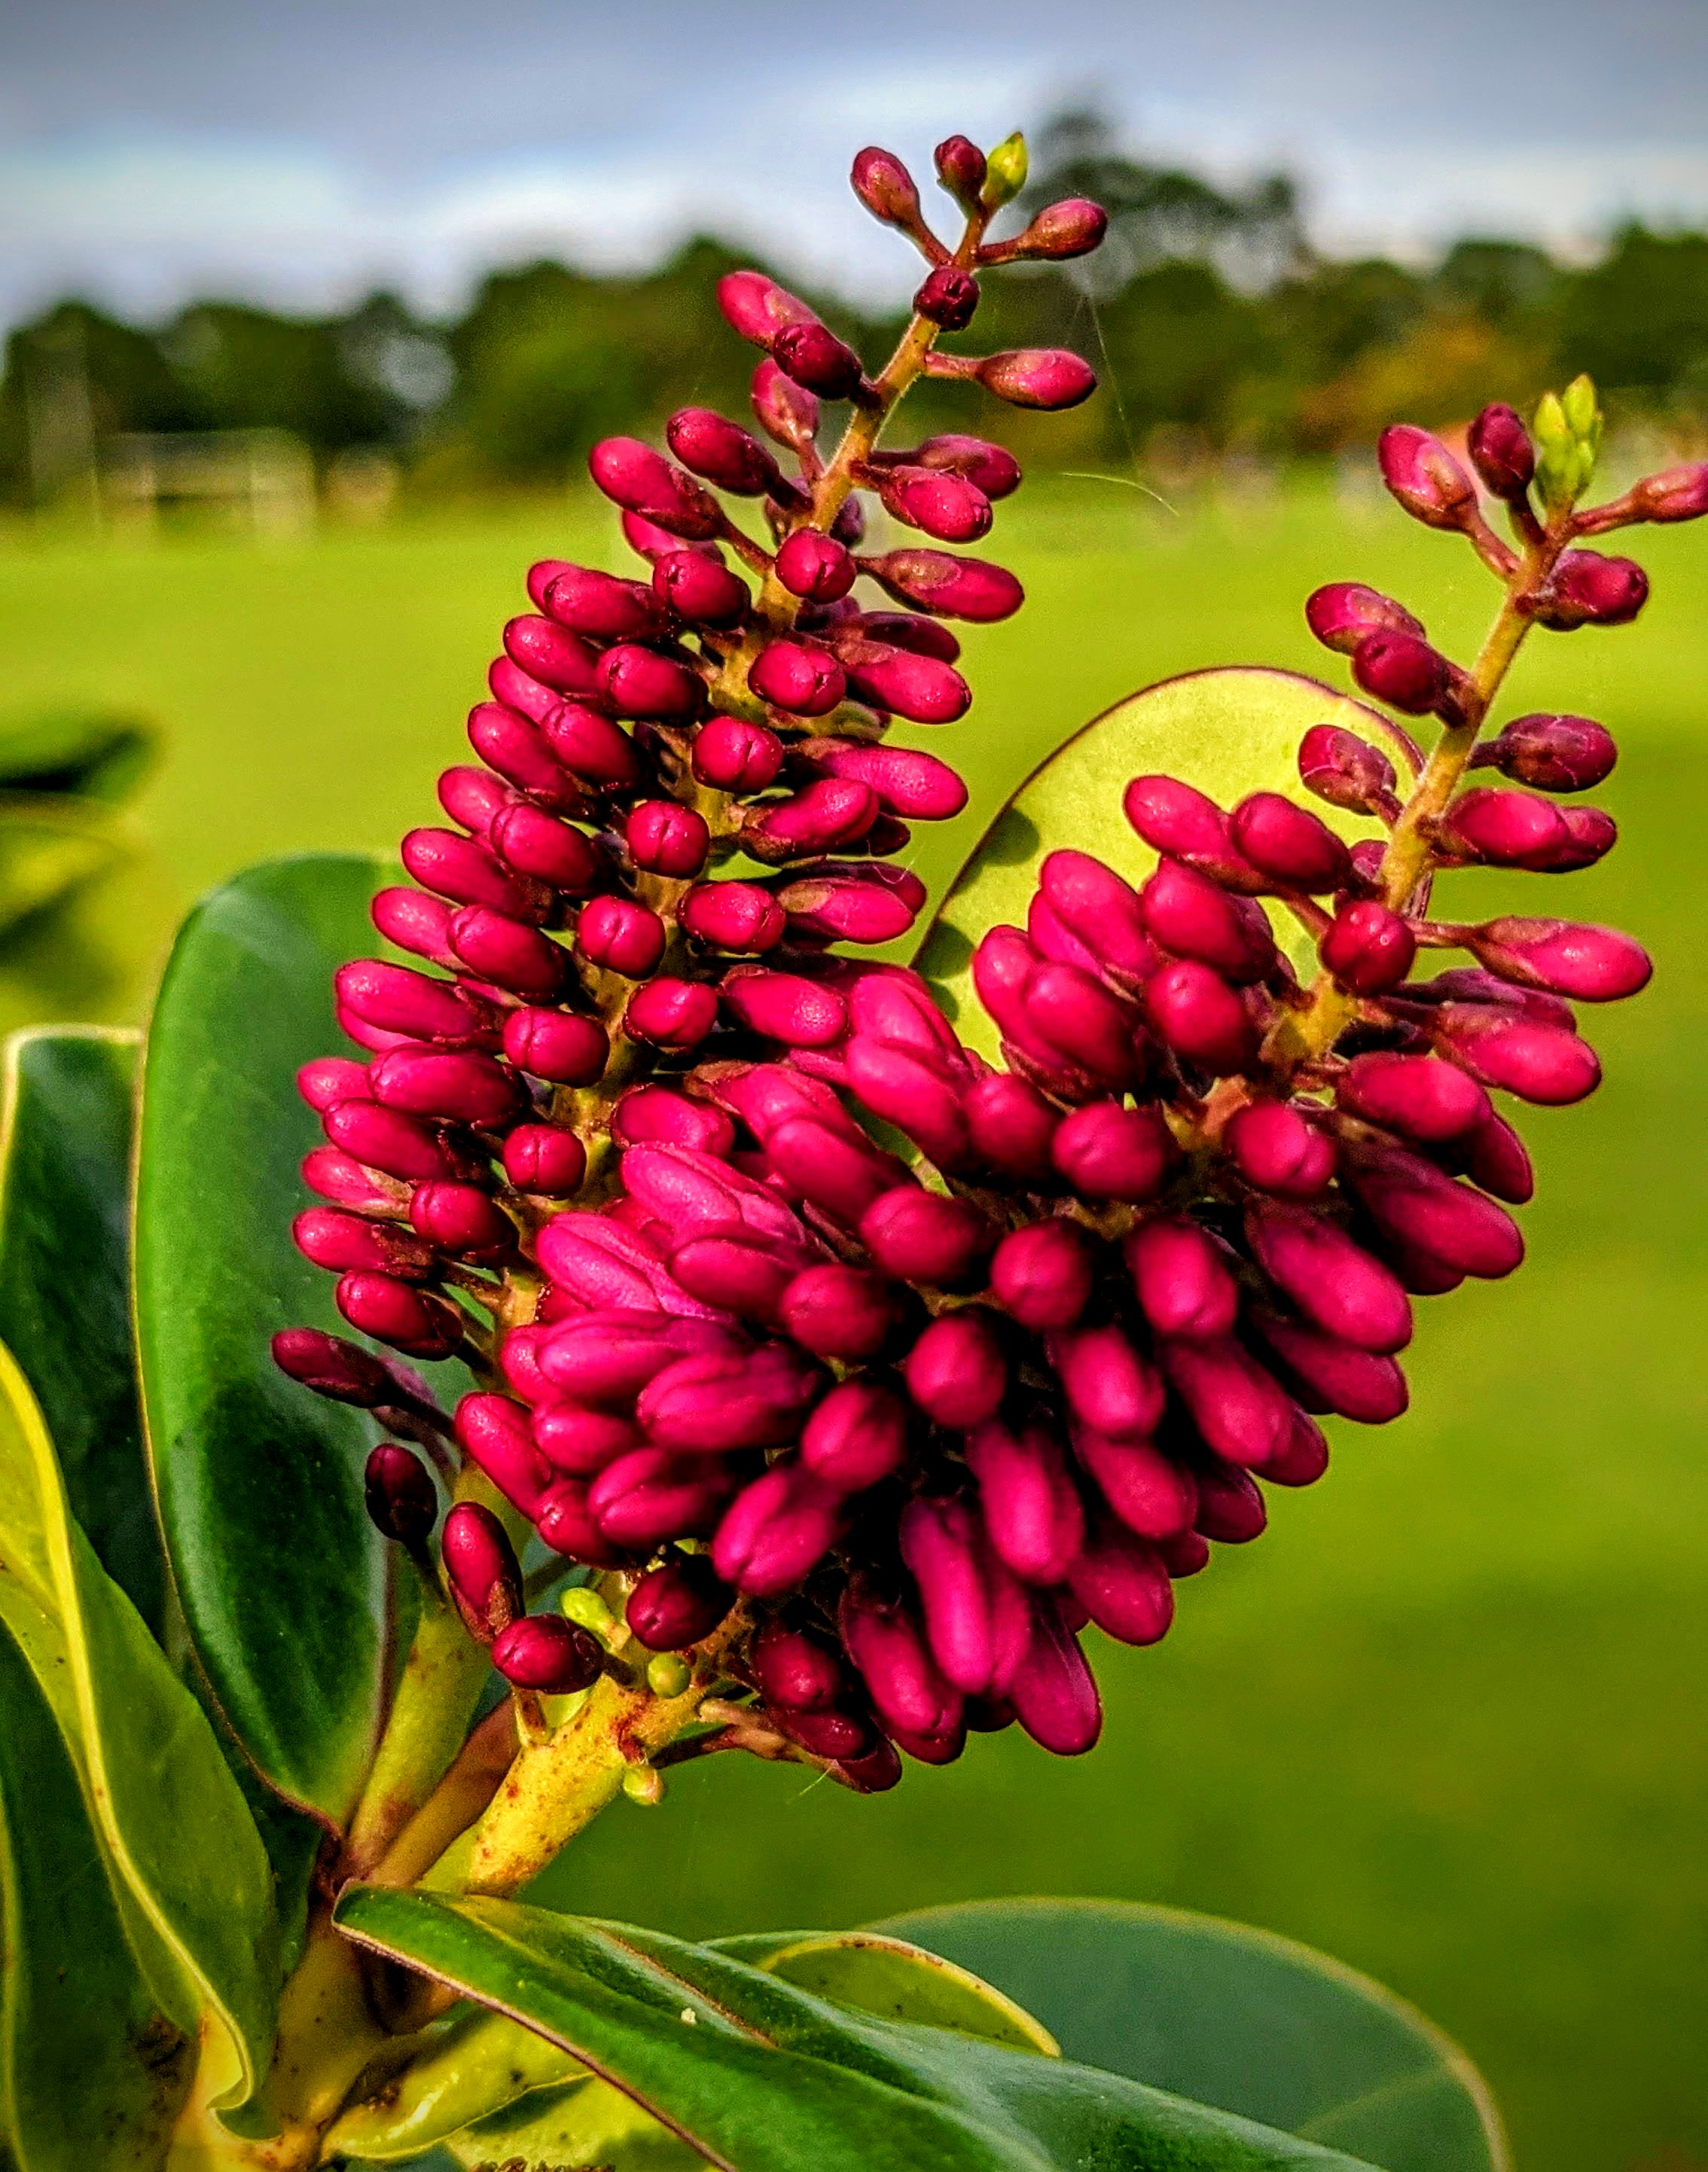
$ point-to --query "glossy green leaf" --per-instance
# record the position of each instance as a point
(760, 2077)
(893, 1979)
(198, 1889)
(49, 845)
(65, 1299)
(1228, 732)
(92, 2072)
(479, 2063)
(94, 754)
(1232, 2017)
(281, 1576)
(591, 2124)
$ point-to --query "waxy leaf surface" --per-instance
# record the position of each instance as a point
(281, 1576)
(1232, 2017)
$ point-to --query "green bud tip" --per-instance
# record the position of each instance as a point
(584, 1605)
(642, 1784)
(1004, 172)
(1578, 403)
(668, 1674)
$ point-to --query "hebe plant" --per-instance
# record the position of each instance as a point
(830, 1380)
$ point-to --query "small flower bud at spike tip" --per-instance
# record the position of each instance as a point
(544, 1653)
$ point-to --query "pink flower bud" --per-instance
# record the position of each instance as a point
(643, 1499)
(850, 1740)
(1075, 1016)
(579, 1441)
(671, 1013)
(1547, 1064)
(1289, 844)
(1011, 1127)
(1590, 589)
(921, 1237)
(621, 936)
(644, 481)
(858, 908)
(383, 1139)
(465, 871)
(541, 574)
(461, 1218)
(412, 1320)
(907, 1090)
(655, 1116)
(513, 688)
(902, 1677)
(665, 838)
(698, 588)
(1502, 454)
(1369, 949)
(472, 797)
(558, 1045)
(856, 1436)
(712, 1403)
(922, 688)
(638, 682)
(1042, 1275)
(1507, 828)
(481, 1563)
(1123, 1584)
(1193, 916)
(906, 781)
(1333, 1282)
(1230, 1507)
(678, 1604)
(839, 1312)
(1590, 964)
(1200, 1017)
(508, 954)
(885, 187)
(1304, 1458)
(331, 1079)
(815, 359)
(783, 1007)
(832, 811)
(836, 1173)
(757, 308)
(600, 607)
(1152, 1495)
(945, 504)
(1189, 1554)
(546, 1160)
(956, 1372)
(1676, 493)
(786, 411)
(340, 1178)
(495, 1431)
(796, 1672)
(732, 916)
(1403, 670)
(398, 1492)
(1448, 1224)
(565, 1522)
(1180, 822)
(1238, 1408)
(1553, 753)
(1590, 833)
(400, 1001)
(723, 451)
(1418, 1096)
(947, 296)
(1342, 613)
(1424, 477)
(1109, 1386)
(549, 655)
(776, 1531)
(606, 1357)
(1106, 1151)
(518, 750)
(960, 169)
(537, 844)
(1072, 227)
(461, 1088)
(1084, 913)
(544, 1652)
(1054, 1695)
(978, 1622)
(1274, 1147)
(1181, 1277)
(992, 469)
(732, 755)
(955, 587)
(1347, 771)
(815, 566)
(1328, 1375)
(333, 1367)
(798, 676)
(1048, 377)
(1494, 1159)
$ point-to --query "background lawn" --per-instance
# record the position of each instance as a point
(1447, 1721)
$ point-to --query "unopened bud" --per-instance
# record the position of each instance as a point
(331, 1367)
(672, 1014)
(1419, 1096)
(886, 188)
(757, 308)
(1587, 964)
(699, 589)
(463, 1219)
(459, 1089)
(841, 1312)
(732, 916)
(544, 1159)
(544, 1653)
(814, 567)
(675, 1605)
(399, 1492)
(786, 411)
(1333, 1282)
(638, 682)
(960, 168)
(1288, 843)
(537, 844)
(1042, 1275)
(1554, 753)
(1193, 1009)
(1182, 1280)
(1369, 948)
(1506, 829)
(481, 1565)
(732, 755)
(1072, 227)
(601, 607)
(644, 481)
(1275, 1148)
(797, 676)
(816, 359)
(1106, 1151)
(947, 296)
(507, 954)
(1426, 478)
(777, 1529)
(1004, 172)
(1590, 589)
(921, 1237)
(956, 1372)
(1677, 493)
(1342, 613)
(1347, 771)
(1404, 671)
(1502, 454)
(621, 936)
(1047, 377)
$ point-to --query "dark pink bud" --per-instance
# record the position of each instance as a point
(839, 1312)
(512, 687)
(1424, 477)
(906, 1089)
(1106, 1151)
(734, 757)
(601, 607)
(1054, 1695)
(777, 1529)
(758, 308)
(544, 1652)
(843, 1735)
(540, 576)
(1328, 1375)
(465, 871)
(977, 1620)
(412, 1320)
(1108, 1386)
(947, 296)
(1181, 823)
(472, 797)
(816, 359)
(331, 1079)
(1236, 1405)
(841, 1175)
(589, 744)
(1403, 670)
(1230, 1507)
(1193, 916)
(955, 587)
(1369, 949)
(886, 1644)
(461, 1218)
(333, 1367)
(544, 1159)
(796, 1672)
(397, 1490)
(1342, 613)
(1502, 454)
(723, 451)
(1072, 227)
(1419, 1096)
(644, 481)
(1091, 907)
(698, 588)
(732, 916)
(1189, 1554)
(481, 1564)
(1590, 964)
(643, 1499)
(1676, 493)
(558, 1045)
(639, 682)
(815, 566)
(1590, 833)
(830, 812)
(745, 1274)
(786, 411)
(1011, 1127)
(622, 936)
(509, 953)
(654, 1115)
(665, 838)
(712, 1403)
(1151, 1494)
(461, 1088)
(1333, 1280)
(798, 676)
(671, 1013)
(579, 1441)
(650, 542)
(960, 169)
(1075, 1016)
(496, 1433)
(677, 1605)
(1123, 1585)
(1289, 844)
(1547, 1064)
(1494, 1159)
(956, 1372)
(400, 1001)
(1048, 377)
(856, 1436)
(1042, 1275)
(992, 469)
(384, 1139)
(923, 688)
(1200, 1018)
(1554, 753)
(1590, 589)
(606, 1358)
(921, 1237)
(1305, 1457)
(1347, 771)
(1181, 1277)
(518, 750)
(1430, 1217)
(859, 908)
(537, 844)
(340, 1178)
(940, 501)
(783, 1007)
(549, 655)
(1274, 1147)
(885, 187)
(849, 525)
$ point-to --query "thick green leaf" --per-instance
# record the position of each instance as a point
(1232, 2017)
(92, 2072)
(760, 2077)
(281, 1576)
(94, 754)
(893, 1979)
(65, 1299)
(49, 845)
(198, 1889)
(480, 2063)
(591, 2124)
(1228, 732)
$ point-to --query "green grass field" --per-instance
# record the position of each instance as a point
(1447, 1721)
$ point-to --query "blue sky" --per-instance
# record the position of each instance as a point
(153, 149)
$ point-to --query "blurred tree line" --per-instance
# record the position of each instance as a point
(1213, 322)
